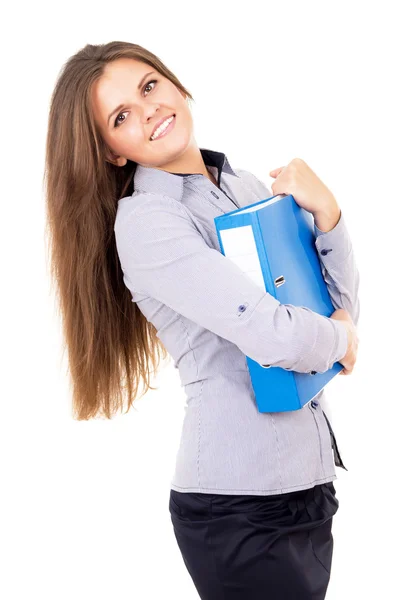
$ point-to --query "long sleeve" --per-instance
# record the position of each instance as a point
(163, 255)
(339, 268)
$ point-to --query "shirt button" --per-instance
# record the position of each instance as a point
(241, 307)
(314, 403)
(324, 252)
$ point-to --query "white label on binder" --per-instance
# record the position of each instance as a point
(240, 247)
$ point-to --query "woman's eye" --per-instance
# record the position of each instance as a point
(149, 83)
(118, 123)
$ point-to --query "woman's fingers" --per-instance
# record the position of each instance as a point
(275, 172)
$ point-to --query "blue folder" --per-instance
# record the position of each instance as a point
(273, 242)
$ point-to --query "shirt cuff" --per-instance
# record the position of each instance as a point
(319, 232)
(330, 346)
(333, 246)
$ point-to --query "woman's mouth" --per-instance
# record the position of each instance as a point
(161, 132)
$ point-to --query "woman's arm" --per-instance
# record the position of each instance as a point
(339, 267)
(163, 254)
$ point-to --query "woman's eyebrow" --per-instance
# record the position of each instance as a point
(138, 87)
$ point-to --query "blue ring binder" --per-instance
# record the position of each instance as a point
(285, 264)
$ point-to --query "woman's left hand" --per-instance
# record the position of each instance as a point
(307, 189)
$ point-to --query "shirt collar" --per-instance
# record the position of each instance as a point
(149, 179)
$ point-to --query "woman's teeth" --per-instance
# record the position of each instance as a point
(161, 128)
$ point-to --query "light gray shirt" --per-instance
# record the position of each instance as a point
(179, 279)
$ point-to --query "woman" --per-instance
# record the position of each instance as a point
(131, 203)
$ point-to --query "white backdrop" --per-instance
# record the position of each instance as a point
(84, 505)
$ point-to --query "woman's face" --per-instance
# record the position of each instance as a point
(136, 113)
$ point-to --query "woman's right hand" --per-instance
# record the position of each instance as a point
(349, 360)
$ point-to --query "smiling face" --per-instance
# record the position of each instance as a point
(139, 97)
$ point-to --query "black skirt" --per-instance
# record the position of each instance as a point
(238, 547)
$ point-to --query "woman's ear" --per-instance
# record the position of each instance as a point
(114, 159)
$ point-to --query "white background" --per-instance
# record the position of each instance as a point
(84, 505)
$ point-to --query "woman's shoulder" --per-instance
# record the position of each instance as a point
(151, 207)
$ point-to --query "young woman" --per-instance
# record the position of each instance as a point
(131, 203)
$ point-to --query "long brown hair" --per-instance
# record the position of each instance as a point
(111, 346)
